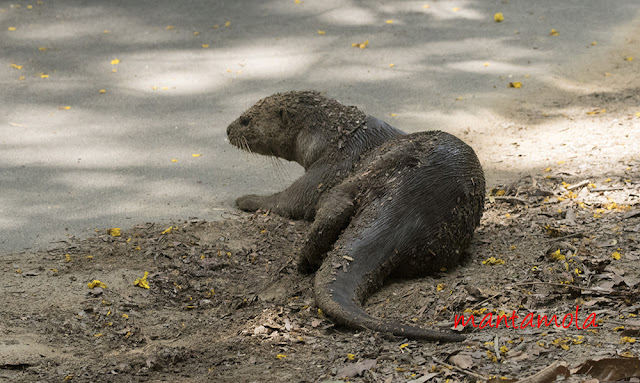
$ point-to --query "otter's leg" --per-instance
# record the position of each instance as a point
(298, 201)
(335, 211)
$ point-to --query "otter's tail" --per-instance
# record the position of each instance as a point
(339, 294)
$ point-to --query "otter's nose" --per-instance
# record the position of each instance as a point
(228, 130)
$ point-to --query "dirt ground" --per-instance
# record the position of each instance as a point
(226, 304)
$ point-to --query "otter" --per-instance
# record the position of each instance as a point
(382, 202)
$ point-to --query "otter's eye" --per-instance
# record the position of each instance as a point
(244, 120)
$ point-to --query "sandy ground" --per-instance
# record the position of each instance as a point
(225, 302)
(74, 159)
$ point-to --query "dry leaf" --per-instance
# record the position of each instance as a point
(610, 369)
(356, 369)
(462, 360)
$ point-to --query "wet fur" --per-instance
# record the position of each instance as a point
(384, 202)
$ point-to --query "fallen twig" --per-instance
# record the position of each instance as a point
(578, 185)
(631, 214)
(563, 237)
(477, 376)
(509, 199)
(549, 373)
(600, 291)
(488, 299)
(561, 285)
(596, 190)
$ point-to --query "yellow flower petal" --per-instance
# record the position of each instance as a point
(493, 261)
(196, 155)
(102, 91)
(114, 232)
(96, 283)
(44, 75)
(12, 29)
(64, 107)
(596, 111)
(389, 21)
(321, 32)
(629, 58)
(205, 45)
(361, 45)
(498, 17)
(168, 230)
(227, 23)
(142, 282)
(16, 66)
(170, 27)
(515, 84)
(115, 61)
(554, 33)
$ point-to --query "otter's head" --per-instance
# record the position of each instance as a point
(296, 126)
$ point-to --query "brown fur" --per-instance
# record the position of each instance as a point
(384, 202)
(321, 134)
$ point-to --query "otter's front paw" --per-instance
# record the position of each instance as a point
(250, 202)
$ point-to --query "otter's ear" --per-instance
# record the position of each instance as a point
(285, 115)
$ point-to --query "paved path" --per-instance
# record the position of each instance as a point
(175, 73)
